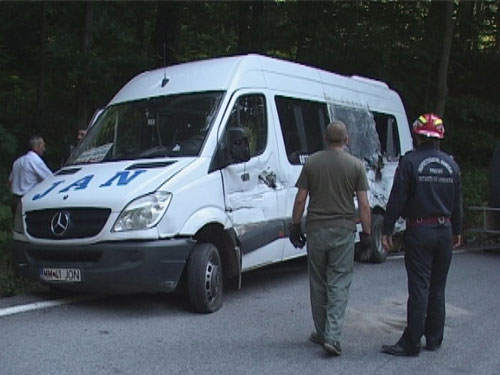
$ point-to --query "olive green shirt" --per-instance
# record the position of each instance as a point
(332, 177)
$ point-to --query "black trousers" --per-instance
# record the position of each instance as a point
(428, 252)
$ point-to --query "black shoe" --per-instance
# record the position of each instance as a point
(316, 338)
(398, 350)
(432, 347)
(332, 348)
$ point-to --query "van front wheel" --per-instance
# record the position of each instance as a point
(204, 279)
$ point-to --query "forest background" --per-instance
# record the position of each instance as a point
(61, 61)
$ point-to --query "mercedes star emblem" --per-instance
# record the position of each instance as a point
(59, 223)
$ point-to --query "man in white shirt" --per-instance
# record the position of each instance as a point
(28, 170)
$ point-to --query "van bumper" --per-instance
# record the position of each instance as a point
(114, 267)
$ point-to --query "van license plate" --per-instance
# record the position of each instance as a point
(65, 275)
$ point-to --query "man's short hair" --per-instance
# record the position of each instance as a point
(423, 140)
(336, 132)
(35, 141)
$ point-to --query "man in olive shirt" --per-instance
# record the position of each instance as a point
(330, 178)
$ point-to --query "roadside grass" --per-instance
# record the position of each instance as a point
(10, 283)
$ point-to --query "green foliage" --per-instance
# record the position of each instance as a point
(8, 144)
(386, 40)
(10, 283)
(5, 218)
(474, 190)
(7, 278)
(474, 186)
(472, 129)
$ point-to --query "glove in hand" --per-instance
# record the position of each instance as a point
(365, 240)
(297, 237)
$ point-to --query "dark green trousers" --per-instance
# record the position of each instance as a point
(330, 254)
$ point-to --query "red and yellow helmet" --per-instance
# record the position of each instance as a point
(429, 125)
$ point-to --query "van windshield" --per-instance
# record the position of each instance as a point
(167, 126)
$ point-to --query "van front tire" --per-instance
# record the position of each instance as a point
(204, 279)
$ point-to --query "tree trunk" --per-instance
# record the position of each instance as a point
(430, 44)
(303, 38)
(465, 22)
(257, 27)
(140, 27)
(168, 28)
(82, 90)
(41, 95)
(307, 31)
(497, 36)
(250, 27)
(444, 58)
(244, 14)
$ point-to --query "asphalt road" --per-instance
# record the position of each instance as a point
(261, 329)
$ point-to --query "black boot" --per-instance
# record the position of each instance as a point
(399, 351)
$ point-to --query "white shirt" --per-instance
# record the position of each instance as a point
(27, 171)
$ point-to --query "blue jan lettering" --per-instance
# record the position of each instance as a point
(54, 185)
(81, 184)
(123, 178)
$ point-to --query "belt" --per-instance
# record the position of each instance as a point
(433, 220)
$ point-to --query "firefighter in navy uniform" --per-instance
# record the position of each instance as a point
(427, 193)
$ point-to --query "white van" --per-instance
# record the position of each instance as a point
(187, 176)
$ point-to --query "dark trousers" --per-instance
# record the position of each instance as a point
(16, 199)
(428, 252)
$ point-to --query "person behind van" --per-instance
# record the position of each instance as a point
(81, 133)
(330, 178)
(28, 170)
(68, 148)
(427, 193)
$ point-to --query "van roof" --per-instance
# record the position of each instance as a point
(219, 74)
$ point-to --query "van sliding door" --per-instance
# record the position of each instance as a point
(303, 125)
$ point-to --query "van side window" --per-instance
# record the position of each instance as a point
(387, 129)
(303, 124)
(249, 113)
(364, 142)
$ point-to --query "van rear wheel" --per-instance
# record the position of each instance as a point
(204, 279)
(375, 253)
(378, 253)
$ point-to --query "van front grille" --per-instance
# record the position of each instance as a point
(67, 223)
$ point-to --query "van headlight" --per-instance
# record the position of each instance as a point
(144, 212)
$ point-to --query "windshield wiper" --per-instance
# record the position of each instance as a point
(153, 152)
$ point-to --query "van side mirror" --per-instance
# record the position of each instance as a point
(239, 148)
(233, 148)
